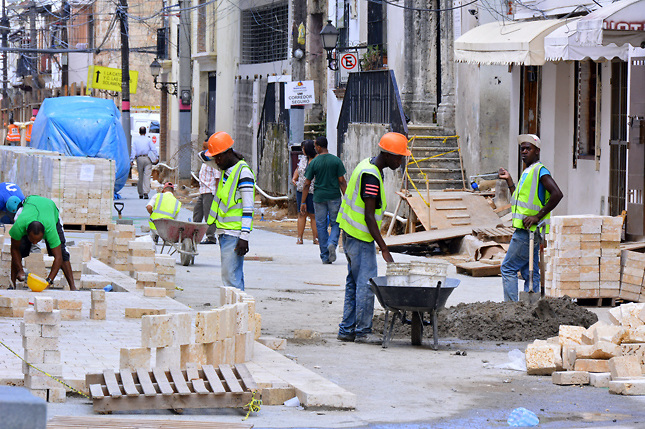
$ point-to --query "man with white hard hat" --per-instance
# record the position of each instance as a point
(532, 201)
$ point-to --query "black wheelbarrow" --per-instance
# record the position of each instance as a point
(417, 300)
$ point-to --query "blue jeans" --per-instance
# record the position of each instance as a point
(517, 259)
(359, 298)
(232, 265)
(327, 208)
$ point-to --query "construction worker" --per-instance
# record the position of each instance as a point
(28, 129)
(163, 205)
(360, 218)
(10, 198)
(232, 208)
(13, 134)
(39, 219)
(532, 201)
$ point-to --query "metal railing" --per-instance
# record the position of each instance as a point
(371, 97)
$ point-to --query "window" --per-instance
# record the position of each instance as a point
(586, 110)
(201, 26)
(342, 23)
(376, 25)
(264, 34)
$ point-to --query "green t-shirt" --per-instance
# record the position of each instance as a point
(44, 211)
(326, 169)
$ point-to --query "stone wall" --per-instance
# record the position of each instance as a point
(273, 175)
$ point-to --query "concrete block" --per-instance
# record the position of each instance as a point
(227, 322)
(240, 348)
(53, 369)
(277, 395)
(168, 357)
(214, 352)
(18, 402)
(193, 353)
(154, 292)
(183, 328)
(43, 304)
(135, 357)
(249, 347)
(565, 378)
(591, 365)
(51, 331)
(241, 318)
(38, 382)
(613, 334)
(542, 359)
(634, 335)
(157, 331)
(625, 367)
(57, 395)
(51, 356)
(68, 304)
(30, 329)
(207, 326)
(138, 313)
(281, 343)
(568, 357)
(99, 305)
(633, 387)
(600, 379)
(98, 314)
(35, 343)
(258, 325)
(605, 350)
(229, 350)
(70, 314)
(635, 349)
(146, 276)
(98, 295)
(34, 356)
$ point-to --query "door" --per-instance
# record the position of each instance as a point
(618, 140)
(210, 126)
(636, 162)
(530, 89)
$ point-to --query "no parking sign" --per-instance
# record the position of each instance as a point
(348, 64)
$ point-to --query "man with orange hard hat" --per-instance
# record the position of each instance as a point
(232, 208)
(28, 128)
(360, 218)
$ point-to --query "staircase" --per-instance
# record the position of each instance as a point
(444, 171)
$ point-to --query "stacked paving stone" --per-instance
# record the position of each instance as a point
(604, 355)
(40, 332)
(94, 281)
(5, 261)
(141, 256)
(166, 271)
(631, 282)
(35, 263)
(70, 309)
(583, 257)
(98, 307)
(118, 247)
(13, 306)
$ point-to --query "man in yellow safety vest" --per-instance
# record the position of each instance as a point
(163, 205)
(232, 208)
(532, 201)
(360, 218)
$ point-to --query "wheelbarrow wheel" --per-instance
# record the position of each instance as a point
(416, 328)
(186, 246)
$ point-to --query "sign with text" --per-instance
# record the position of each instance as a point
(109, 79)
(299, 93)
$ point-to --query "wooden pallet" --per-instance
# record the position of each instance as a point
(596, 302)
(95, 422)
(478, 269)
(84, 227)
(497, 234)
(209, 387)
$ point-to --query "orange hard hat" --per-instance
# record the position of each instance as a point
(395, 143)
(218, 143)
(33, 118)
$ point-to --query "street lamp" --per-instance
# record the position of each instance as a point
(329, 35)
(155, 71)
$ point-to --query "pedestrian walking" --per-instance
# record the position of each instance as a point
(142, 149)
(309, 153)
(208, 180)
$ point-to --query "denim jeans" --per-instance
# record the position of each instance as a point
(327, 208)
(359, 298)
(232, 264)
(517, 259)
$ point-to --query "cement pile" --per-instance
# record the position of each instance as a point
(495, 321)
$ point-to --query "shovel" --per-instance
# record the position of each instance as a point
(531, 247)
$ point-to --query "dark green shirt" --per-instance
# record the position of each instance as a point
(44, 211)
(326, 169)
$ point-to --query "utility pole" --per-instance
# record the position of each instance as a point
(4, 23)
(65, 56)
(125, 72)
(185, 92)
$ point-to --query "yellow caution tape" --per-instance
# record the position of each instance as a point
(48, 375)
(253, 406)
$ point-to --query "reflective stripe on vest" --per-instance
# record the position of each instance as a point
(525, 201)
(226, 211)
(351, 216)
(162, 207)
(28, 132)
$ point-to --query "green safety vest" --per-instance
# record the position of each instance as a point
(166, 206)
(226, 211)
(351, 216)
(525, 201)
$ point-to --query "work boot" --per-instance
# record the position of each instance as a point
(332, 252)
(368, 339)
(346, 337)
(327, 262)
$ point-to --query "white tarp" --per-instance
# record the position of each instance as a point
(619, 23)
(562, 45)
(506, 42)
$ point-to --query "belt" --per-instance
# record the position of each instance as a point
(138, 156)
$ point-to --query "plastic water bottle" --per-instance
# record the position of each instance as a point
(521, 417)
(108, 288)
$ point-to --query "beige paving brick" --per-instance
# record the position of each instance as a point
(50, 331)
(168, 357)
(137, 313)
(183, 328)
(30, 329)
(214, 352)
(39, 343)
(43, 304)
(207, 326)
(68, 304)
(229, 350)
(38, 382)
(98, 295)
(51, 356)
(570, 334)
(146, 276)
(600, 379)
(57, 395)
(570, 377)
(155, 292)
(634, 335)
(633, 387)
(98, 313)
(625, 367)
(592, 365)
(241, 318)
(157, 331)
(133, 358)
(52, 369)
(70, 314)
(542, 359)
(193, 353)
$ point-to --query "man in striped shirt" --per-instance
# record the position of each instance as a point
(208, 181)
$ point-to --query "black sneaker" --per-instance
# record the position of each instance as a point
(346, 337)
(145, 196)
(332, 253)
(326, 262)
(368, 339)
(140, 197)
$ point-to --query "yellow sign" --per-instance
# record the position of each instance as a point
(109, 79)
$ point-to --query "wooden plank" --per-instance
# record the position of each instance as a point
(247, 378)
(193, 377)
(457, 216)
(162, 381)
(145, 382)
(230, 378)
(213, 379)
(180, 381)
(116, 422)
(478, 269)
(191, 371)
(452, 208)
(96, 391)
(428, 236)
(112, 385)
(461, 222)
(128, 383)
(174, 401)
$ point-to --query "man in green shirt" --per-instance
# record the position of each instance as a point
(328, 171)
(39, 219)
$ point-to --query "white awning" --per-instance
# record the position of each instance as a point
(562, 45)
(619, 23)
(506, 42)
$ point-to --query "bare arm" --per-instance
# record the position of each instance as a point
(343, 184)
(305, 192)
(503, 174)
(372, 227)
(294, 179)
(149, 208)
(17, 271)
(58, 262)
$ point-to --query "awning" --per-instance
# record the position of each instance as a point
(562, 45)
(506, 42)
(619, 23)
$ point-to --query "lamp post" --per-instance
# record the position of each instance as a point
(329, 35)
(168, 87)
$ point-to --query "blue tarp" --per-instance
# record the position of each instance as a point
(83, 126)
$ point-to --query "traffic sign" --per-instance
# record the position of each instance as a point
(349, 62)
(107, 78)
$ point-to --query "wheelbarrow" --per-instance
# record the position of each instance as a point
(399, 300)
(181, 237)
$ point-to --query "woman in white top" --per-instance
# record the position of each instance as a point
(299, 181)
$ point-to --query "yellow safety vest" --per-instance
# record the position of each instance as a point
(166, 206)
(351, 216)
(525, 201)
(226, 210)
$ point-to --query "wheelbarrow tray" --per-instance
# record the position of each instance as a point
(171, 230)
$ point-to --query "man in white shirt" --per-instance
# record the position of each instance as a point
(208, 179)
(141, 147)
